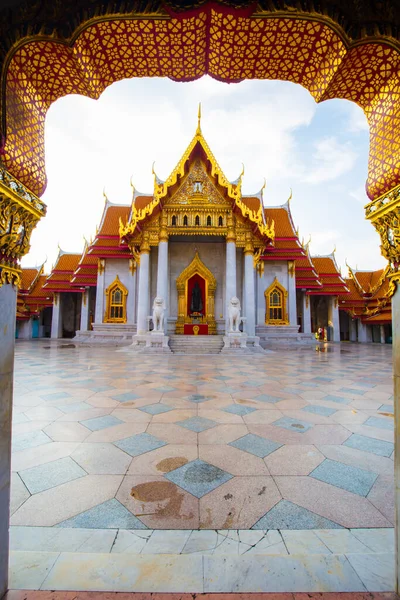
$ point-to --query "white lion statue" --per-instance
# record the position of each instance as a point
(234, 318)
(158, 314)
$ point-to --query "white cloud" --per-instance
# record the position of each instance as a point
(330, 160)
(357, 119)
(360, 195)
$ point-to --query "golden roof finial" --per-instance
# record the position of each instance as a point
(334, 249)
(290, 196)
(132, 186)
(104, 194)
(198, 131)
(242, 173)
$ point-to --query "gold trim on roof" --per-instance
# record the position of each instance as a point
(161, 188)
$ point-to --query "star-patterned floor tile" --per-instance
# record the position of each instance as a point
(198, 477)
(139, 444)
(256, 445)
(239, 409)
(197, 424)
(293, 424)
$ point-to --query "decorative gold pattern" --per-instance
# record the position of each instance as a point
(275, 304)
(101, 265)
(196, 267)
(20, 211)
(291, 267)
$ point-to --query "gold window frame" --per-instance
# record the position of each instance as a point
(276, 286)
(116, 284)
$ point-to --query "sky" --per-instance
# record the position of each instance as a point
(274, 128)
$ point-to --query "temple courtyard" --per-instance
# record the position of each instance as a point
(258, 472)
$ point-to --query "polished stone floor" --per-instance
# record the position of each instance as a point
(294, 439)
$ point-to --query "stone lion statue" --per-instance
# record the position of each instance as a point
(158, 314)
(234, 318)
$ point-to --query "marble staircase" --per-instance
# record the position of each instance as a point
(196, 344)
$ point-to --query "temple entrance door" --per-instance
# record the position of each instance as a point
(196, 287)
(196, 307)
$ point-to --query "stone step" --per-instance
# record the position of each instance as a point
(196, 344)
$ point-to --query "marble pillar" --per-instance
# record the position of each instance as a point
(230, 277)
(25, 330)
(396, 374)
(382, 331)
(99, 312)
(333, 318)
(352, 330)
(56, 319)
(362, 332)
(143, 293)
(249, 294)
(84, 326)
(292, 305)
(162, 277)
(306, 313)
(131, 299)
(8, 299)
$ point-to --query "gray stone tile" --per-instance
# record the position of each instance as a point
(268, 398)
(353, 479)
(108, 515)
(127, 397)
(198, 477)
(131, 541)
(352, 391)
(293, 424)
(101, 422)
(319, 410)
(387, 408)
(338, 399)
(139, 444)
(376, 571)
(286, 515)
(380, 422)
(52, 539)
(255, 444)
(43, 477)
(155, 409)
(55, 396)
(198, 398)
(165, 388)
(367, 444)
(197, 424)
(238, 409)
(76, 407)
(256, 573)
(28, 570)
(25, 441)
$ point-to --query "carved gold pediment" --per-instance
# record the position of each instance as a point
(197, 190)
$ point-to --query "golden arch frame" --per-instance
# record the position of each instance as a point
(283, 291)
(196, 267)
(117, 283)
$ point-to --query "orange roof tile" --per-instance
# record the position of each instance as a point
(110, 220)
(27, 278)
(252, 202)
(283, 222)
(142, 201)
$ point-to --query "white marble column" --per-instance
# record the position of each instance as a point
(99, 311)
(8, 299)
(382, 329)
(131, 299)
(162, 277)
(230, 277)
(352, 330)
(84, 326)
(143, 293)
(292, 304)
(333, 318)
(56, 319)
(249, 294)
(306, 313)
(362, 332)
(396, 373)
(25, 330)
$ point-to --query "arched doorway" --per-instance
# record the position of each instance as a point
(196, 308)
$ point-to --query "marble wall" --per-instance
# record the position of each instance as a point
(272, 269)
(120, 267)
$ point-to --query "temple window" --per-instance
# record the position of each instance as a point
(220, 221)
(185, 220)
(275, 298)
(197, 187)
(116, 295)
(197, 220)
(209, 221)
(173, 221)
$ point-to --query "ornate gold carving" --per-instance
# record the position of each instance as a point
(132, 266)
(248, 246)
(307, 301)
(335, 302)
(20, 211)
(196, 267)
(291, 267)
(56, 298)
(260, 268)
(101, 265)
(85, 297)
(384, 214)
(275, 304)
(145, 245)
